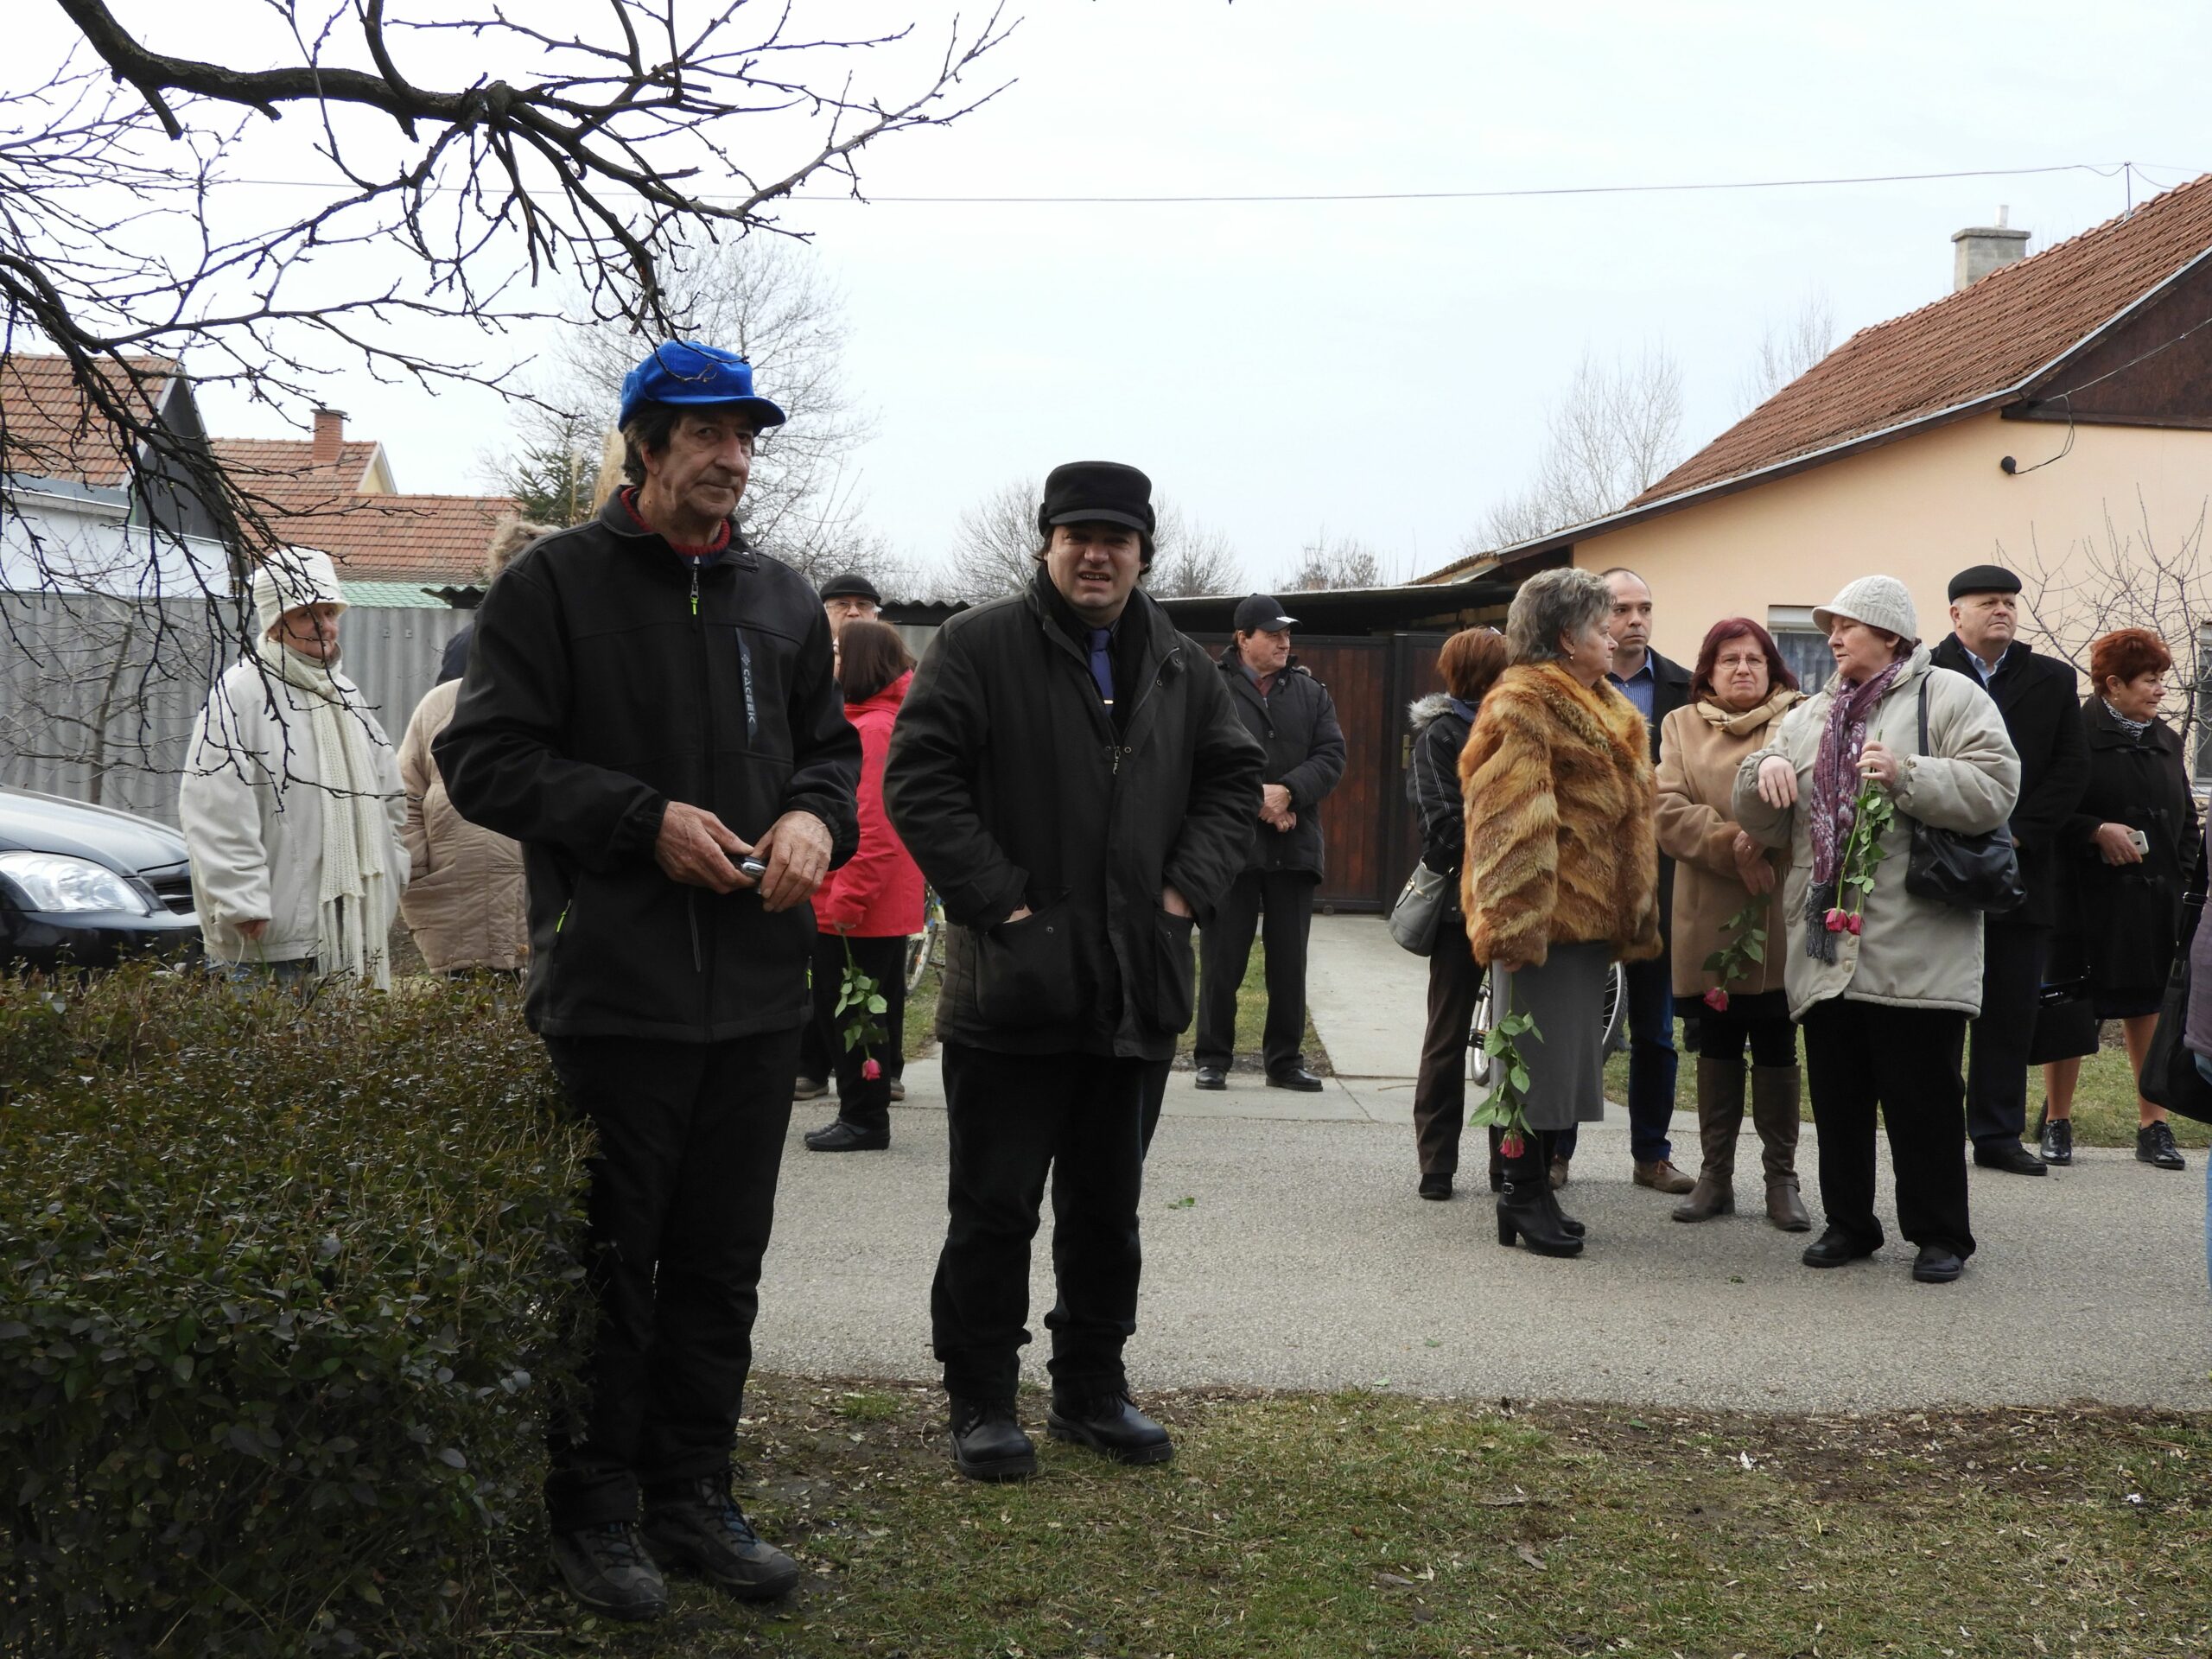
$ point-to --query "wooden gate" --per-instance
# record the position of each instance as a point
(1372, 838)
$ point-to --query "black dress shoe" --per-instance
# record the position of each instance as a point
(705, 1531)
(1212, 1077)
(1436, 1186)
(987, 1444)
(2011, 1157)
(2056, 1138)
(2154, 1145)
(1835, 1247)
(1298, 1079)
(838, 1135)
(608, 1570)
(1109, 1424)
(1937, 1264)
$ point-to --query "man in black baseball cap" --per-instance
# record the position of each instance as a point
(1069, 774)
(2035, 696)
(1291, 715)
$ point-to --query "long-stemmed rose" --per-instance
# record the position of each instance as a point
(1507, 1106)
(861, 997)
(1745, 949)
(1872, 814)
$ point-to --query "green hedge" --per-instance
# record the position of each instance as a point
(284, 1292)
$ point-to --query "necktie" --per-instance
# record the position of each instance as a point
(1101, 664)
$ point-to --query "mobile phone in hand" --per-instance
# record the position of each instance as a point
(754, 868)
(2141, 842)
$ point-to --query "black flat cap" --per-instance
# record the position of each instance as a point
(1096, 492)
(1259, 611)
(1984, 579)
(851, 586)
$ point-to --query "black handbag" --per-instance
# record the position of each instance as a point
(2169, 1076)
(1966, 872)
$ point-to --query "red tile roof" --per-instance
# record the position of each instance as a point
(372, 537)
(1968, 345)
(53, 429)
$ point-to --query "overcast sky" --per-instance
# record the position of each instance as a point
(1380, 369)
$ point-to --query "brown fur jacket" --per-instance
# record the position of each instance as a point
(1560, 796)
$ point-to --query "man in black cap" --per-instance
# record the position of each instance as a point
(649, 709)
(1291, 715)
(849, 598)
(2038, 698)
(1069, 774)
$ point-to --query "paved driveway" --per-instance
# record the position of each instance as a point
(1285, 1247)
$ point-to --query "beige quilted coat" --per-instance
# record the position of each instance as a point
(464, 901)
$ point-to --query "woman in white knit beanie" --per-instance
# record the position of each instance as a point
(291, 803)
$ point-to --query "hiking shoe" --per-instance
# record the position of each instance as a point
(1663, 1177)
(608, 1570)
(704, 1531)
(2154, 1145)
(2056, 1140)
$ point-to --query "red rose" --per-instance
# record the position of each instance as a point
(1854, 922)
(871, 1069)
(1512, 1146)
(1716, 1000)
(1837, 922)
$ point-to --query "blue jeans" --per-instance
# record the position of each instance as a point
(1651, 1063)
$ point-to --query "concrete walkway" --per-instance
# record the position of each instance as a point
(1285, 1247)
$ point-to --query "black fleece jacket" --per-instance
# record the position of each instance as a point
(608, 675)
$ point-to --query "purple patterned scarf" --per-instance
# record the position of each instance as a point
(1835, 787)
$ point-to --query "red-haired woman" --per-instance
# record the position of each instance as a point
(2127, 850)
(869, 905)
(1470, 660)
(1739, 689)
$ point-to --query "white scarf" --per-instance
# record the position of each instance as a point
(356, 902)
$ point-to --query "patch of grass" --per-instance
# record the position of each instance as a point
(1319, 1526)
(2104, 1102)
(1251, 1018)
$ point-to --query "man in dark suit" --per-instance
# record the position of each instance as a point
(1657, 687)
(2039, 700)
(1290, 714)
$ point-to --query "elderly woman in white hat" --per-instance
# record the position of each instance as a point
(1883, 980)
(291, 803)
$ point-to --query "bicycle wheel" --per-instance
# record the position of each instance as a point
(1614, 1020)
(1479, 1063)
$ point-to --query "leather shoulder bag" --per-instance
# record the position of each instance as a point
(1979, 873)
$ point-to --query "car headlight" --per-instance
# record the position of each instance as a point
(55, 883)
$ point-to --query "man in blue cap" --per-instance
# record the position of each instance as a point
(650, 708)
(1070, 774)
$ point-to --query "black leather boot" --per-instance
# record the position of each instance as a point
(1109, 1424)
(1525, 1205)
(1547, 1149)
(987, 1444)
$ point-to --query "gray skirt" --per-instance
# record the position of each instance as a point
(1567, 996)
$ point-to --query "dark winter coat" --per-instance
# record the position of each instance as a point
(453, 662)
(1296, 724)
(1440, 723)
(1011, 787)
(2124, 918)
(2038, 696)
(608, 676)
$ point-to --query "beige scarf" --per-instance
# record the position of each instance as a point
(356, 897)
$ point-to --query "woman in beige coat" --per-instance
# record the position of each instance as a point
(1883, 980)
(465, 901)
(1739, 689)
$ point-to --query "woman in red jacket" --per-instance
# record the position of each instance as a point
(870, 906)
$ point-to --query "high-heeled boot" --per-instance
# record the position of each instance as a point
(1774, 1115)
(1547, 1147)
(1523, 1210)
(1719, 1119)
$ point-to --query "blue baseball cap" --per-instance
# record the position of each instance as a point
(683, 371)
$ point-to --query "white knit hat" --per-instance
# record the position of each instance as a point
(291, 577)
(1878, 602)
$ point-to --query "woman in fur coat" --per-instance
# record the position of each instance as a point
(1562, 873)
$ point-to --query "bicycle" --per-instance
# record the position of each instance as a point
(926, 948)
(1612, 1025)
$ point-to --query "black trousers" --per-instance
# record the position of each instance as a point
(1862, 1055)
(2012, 957)
(1286, 898)
(683, 1197)
(815, 1049)
(1011, 1120)
(1762, 1022)
(861, 1102)
(1455, 980)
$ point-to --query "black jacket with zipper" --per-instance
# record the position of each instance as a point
(1011, 785)
(1295, 723)
(608, 675)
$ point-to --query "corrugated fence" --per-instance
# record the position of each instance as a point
(97, 696)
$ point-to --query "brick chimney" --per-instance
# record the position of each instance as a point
(1982, 249)
(330, 434)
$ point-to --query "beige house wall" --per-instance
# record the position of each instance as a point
(1920, 509)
